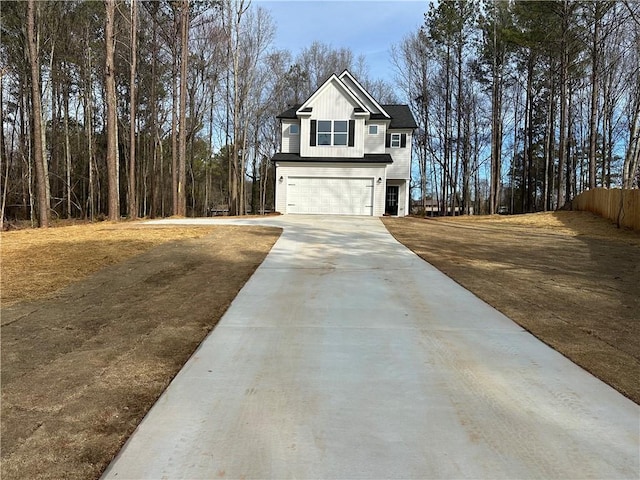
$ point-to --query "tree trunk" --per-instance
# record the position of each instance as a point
(526, 141)
(36, 118)
(67, 150)
(240, 126)
(4, 157)
(182, 132)
(459, 102)
(632, 155)
(54, 157)
(447, 136)
(133, 204)
(235, 205)
(88, 122)
(531, 191)
(154, 175)
(549, 146)
(570, 184)
(564, 106)
(516, 120)
(174, 123)
(496, 143)
(595, 78)
(113, 176)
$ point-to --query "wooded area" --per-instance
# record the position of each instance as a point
(157, 108)
(523, 104)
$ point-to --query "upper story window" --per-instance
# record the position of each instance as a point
(294, 129)
(333, 132)
(373, 129)
(396, 140)
(337, 133)
(324, 132)
(340, 132)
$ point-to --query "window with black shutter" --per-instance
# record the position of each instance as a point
(312, 136)
(336, 133)
(352, 132)
(396, 140)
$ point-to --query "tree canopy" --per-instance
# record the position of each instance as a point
(155, 108)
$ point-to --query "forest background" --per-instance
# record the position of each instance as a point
(157, 108)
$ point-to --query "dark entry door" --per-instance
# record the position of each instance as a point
(391, 207)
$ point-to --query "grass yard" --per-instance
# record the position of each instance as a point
(570, 278)
(82, 362)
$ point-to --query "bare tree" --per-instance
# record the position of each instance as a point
(182, 130)
(411, 59)
(236, 201)
(631, 165)
(494, 51)
(565, 11)
(4, 156)
(133, 204)
(113, 176)
(42, 178)
(597, 10)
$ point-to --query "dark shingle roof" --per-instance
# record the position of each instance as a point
(368, 158)
(291, 113)
(401, 116)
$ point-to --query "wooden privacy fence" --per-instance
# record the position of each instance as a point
(620, 206)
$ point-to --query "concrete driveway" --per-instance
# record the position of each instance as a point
(347, 356)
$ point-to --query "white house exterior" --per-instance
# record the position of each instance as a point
(343, 153)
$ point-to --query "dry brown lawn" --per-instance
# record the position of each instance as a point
(83, 361)
(37, 263)
(570, 278)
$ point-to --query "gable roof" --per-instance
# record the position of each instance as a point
(360, 91)
(333, 79)
(400, 116)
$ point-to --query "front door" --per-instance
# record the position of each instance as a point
(391, 205)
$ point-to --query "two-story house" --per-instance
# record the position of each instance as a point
(344, 153)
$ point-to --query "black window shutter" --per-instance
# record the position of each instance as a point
(352, 131)
(403, 140)
(312, 139)
(388, 141)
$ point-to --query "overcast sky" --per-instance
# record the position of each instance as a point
(367, 27)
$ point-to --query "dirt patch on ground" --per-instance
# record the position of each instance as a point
(81, 365)
(570, 278)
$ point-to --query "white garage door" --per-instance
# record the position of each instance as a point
(344, 196)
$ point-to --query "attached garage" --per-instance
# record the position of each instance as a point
(328, 186)
(330, 195)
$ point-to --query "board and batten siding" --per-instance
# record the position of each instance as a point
(401, 166)
(332, 104)
(352, 170)
(290, 142)
(374, 143)
(363, 98)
